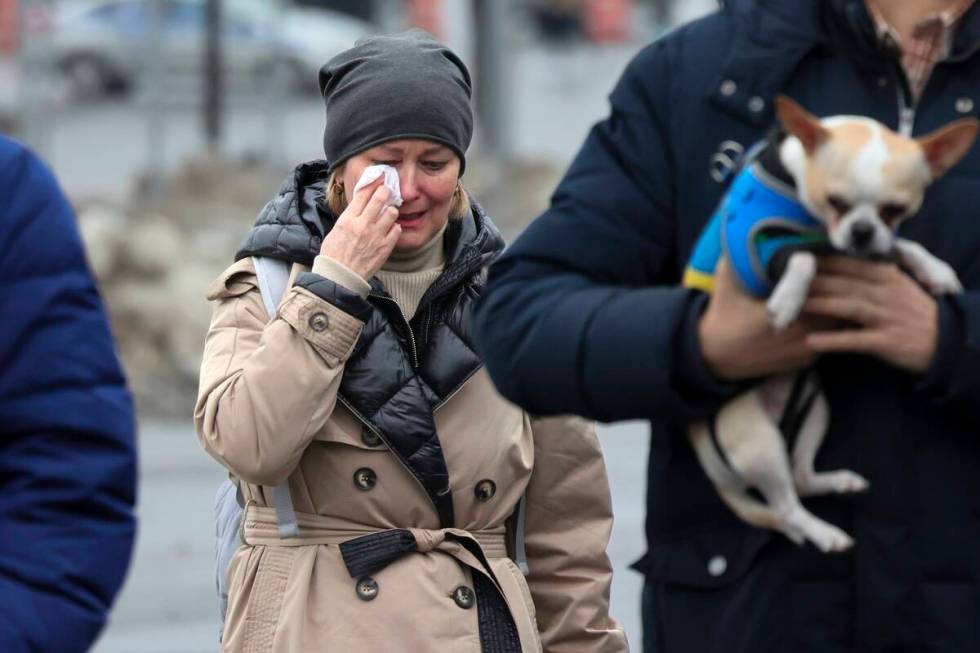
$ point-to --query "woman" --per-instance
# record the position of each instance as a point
(404, 464)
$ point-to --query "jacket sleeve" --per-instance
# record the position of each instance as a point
(583, 313)
(953, 378)
(267, 387)
(67, 449)
(568, 523)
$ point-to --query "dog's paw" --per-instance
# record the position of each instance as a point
(834, 541)
(847, 482)
(826, 537)
(941, 279)
(839, 482)
(783, 308)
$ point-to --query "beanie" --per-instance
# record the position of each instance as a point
(386, 87)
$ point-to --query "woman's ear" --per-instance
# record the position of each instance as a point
(336, 198)
(461, 202)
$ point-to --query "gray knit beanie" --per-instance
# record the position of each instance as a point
(405, 85)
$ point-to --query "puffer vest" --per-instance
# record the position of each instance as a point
(400, 371)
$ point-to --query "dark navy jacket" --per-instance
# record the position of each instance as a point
(67, 450)
(583, 314)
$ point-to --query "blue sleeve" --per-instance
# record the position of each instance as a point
(67, 450)
(584, 314)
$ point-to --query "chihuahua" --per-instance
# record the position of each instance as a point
(840, 184)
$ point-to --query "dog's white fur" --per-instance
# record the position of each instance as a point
(878, 169)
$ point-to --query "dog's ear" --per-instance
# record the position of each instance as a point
(944, 147)
(801, 123)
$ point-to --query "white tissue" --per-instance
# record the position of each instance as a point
(371, 173)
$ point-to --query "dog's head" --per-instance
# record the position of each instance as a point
(860, 178)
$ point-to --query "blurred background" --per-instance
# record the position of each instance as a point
(170, 123)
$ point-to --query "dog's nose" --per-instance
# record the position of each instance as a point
(861, 235)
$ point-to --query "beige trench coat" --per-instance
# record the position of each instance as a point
(267, 411)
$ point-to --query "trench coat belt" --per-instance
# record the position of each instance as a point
(366, 551)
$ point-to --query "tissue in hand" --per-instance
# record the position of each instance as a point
(391, 181)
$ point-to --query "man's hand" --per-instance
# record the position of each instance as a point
(365, 233)
(737, 340)
(888, 314)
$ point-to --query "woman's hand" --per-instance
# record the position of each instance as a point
(365, 233)
(737, 340)
(888, 314)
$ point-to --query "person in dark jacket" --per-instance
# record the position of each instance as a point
(67, 450)
(584, 314)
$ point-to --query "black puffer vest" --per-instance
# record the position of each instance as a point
(399, 371)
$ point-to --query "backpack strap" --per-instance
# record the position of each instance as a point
(520, 550)
(273, 275)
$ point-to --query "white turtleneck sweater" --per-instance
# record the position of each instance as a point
(405, 275)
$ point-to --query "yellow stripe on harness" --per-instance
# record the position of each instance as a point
(699, 280)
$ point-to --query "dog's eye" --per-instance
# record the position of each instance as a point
(891, 212)
(838, 204)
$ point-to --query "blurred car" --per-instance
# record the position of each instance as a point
(101, 46)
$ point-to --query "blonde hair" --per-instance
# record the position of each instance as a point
(336, 202)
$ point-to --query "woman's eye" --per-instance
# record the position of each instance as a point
(839, 204)
(435, 166)
(384, 163)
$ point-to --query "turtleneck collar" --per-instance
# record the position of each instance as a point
(428, 256)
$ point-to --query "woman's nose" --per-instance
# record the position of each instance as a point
(409, 186)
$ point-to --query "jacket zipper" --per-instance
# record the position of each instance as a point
(411, 334)
(426, 322)
(906, 105)
(906, 116)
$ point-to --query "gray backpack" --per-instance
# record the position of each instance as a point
(273, 275)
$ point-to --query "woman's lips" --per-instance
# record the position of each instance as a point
(409, 220)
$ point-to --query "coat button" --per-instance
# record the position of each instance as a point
(319, 322)
(365, 478)
(370, 438)
(485, 489)
(367, 589)
(464, 597)
(964, 105)
(756, 104)
(728, 87)
(717, 566)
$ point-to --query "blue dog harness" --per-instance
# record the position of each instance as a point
(757, 219)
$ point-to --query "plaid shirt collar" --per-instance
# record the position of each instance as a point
(929, 44)
(942, 22)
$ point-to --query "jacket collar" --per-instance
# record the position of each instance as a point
(778, 34)
(967, 40)
(775, 33)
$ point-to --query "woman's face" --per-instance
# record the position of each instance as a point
(428, 174)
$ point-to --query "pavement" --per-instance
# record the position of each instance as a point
(169, 605)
